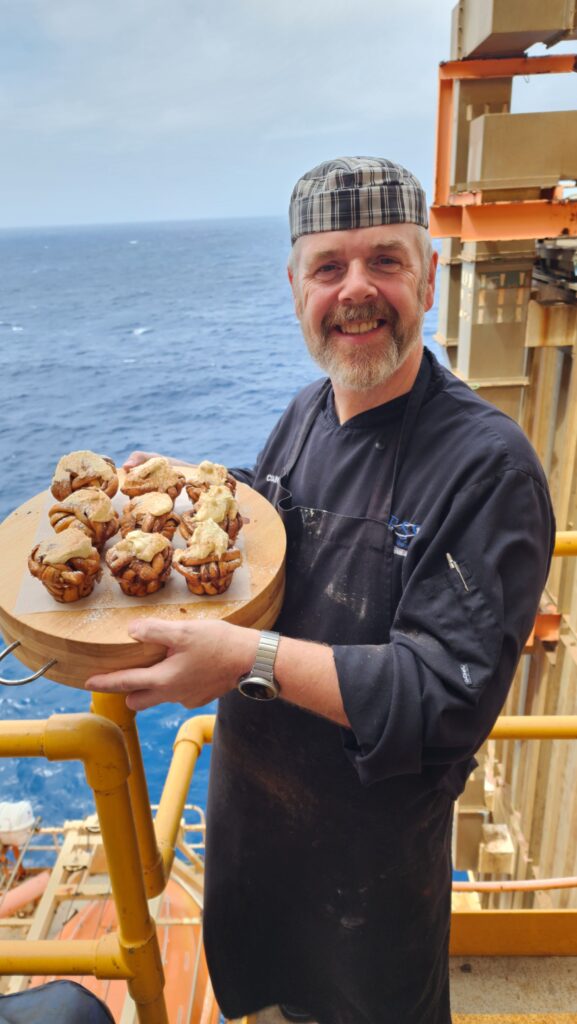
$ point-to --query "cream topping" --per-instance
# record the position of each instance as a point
(154, 502)
(208, 539)
(83, 464)
(95, 504)
(210, 473)
(157, 470)
(63, 546)
(217, 503)
(144, 546)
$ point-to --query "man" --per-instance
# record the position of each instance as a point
(419, 535)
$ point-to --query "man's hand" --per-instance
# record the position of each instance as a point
(137, 458)
(204, 660)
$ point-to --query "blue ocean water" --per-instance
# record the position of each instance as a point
(178, 338)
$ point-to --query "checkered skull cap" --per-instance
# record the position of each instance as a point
(355, 192)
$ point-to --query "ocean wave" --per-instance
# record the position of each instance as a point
(137, 331)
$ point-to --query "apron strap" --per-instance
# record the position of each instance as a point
(416, 396)
(306, 425)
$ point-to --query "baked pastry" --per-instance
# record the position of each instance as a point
(151, 513)
(78, 470)
(68, 565)
(209, 561)
(208, 474)
(141, 562)
(88, 510)
(218, 504)
(156, 474)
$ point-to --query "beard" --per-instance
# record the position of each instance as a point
(366, 365)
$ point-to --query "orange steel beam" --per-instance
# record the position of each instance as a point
(530, 218)
(525, 219)
(513, 933)
(546, 628)
(508, 67)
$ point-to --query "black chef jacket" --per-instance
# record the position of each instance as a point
(419, 539)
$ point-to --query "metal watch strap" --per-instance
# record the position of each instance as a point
(260, 683)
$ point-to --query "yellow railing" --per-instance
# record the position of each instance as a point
(565, 542)
(139, 856)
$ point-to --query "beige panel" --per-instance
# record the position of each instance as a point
(471, 100)
(450, 250)
(492, 318)
(493, 350)
(449, 300)
(474, 252)
(499, 27)
(522, 150)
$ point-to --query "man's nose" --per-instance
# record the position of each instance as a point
(357, 285)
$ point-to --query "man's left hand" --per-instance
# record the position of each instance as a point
(204, 660)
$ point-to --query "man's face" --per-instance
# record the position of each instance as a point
(360, 296)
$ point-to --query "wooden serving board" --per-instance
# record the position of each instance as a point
(84, 642)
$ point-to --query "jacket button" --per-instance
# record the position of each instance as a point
(380, 445)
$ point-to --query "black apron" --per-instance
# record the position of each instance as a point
(322, 892)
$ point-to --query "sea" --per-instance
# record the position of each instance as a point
(173, 337)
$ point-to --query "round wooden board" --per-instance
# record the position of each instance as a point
(84, 643)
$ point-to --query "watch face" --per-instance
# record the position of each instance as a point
(258, 688)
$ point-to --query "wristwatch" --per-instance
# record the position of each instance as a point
(260, 683)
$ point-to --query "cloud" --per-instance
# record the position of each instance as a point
(174, 93)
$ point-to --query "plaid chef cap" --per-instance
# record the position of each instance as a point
(355, 192)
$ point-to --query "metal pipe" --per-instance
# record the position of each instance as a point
(97, 957)
(565, 542)
(521, 885)
(192, 736)
(535, 727)
(113, 706)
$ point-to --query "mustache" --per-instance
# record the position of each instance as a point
(365, 311)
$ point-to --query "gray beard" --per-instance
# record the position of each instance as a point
(364, 367)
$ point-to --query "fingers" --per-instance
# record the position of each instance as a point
(124, 681)
(140, 700)
(137, 458)
(156, 631)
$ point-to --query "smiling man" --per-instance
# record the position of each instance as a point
(419, 535)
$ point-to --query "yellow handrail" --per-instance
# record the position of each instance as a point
(120, 794)
(192, 736)
(535, 727)
(113, 707)
(133, 952)
(565, 542)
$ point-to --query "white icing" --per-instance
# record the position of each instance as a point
(208, 539)
(144, 546)
(63, 546)
(211, 473)
(217, 503)
(154, 502)
(83, 463)
(157, 470)
(95, 504)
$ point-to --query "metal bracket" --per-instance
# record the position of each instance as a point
(28, 679)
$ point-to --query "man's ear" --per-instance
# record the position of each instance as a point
(292, 282)
(430, 289)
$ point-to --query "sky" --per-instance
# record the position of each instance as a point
(144, 110)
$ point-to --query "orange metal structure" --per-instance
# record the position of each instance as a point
(465, 215)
